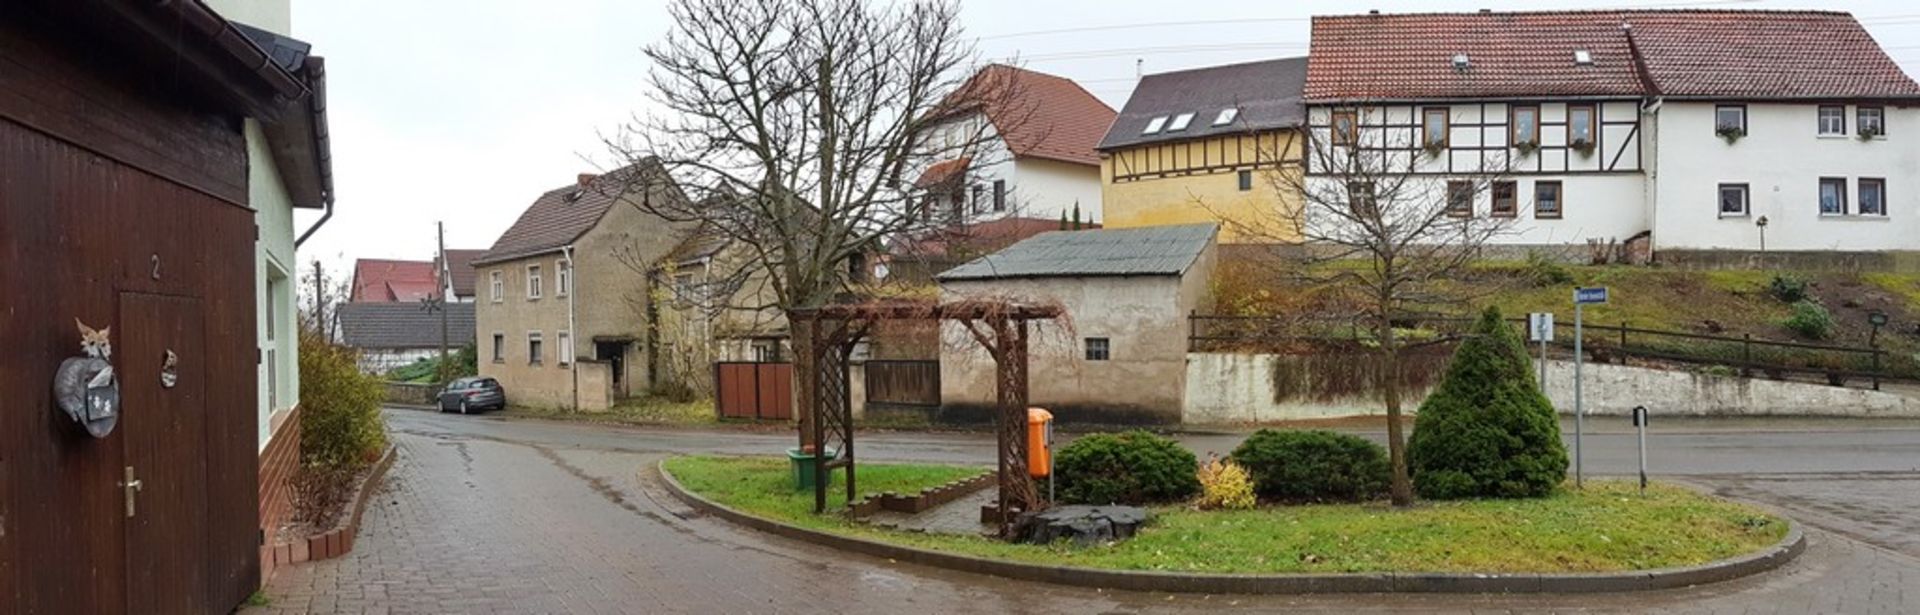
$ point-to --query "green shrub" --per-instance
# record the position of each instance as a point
(1810, 320)
(1313, 465)
(1134, 467)
(1788, 288)
(1486, 430)
(340, 422)
(1545, 271)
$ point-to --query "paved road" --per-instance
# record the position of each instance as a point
(484, 515)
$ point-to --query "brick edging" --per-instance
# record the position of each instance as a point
(1756, 562)
(338, 541)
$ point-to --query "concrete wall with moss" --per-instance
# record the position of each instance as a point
(1229, 388)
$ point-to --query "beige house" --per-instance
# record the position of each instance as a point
(1120, 353)
(563, 312)
(711, 303)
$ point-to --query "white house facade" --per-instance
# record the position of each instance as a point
(1024, 148)
(1803, 168)
(1755, 131)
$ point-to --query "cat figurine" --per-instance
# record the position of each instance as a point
(84, 385)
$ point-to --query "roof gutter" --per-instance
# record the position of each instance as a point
(322, 144)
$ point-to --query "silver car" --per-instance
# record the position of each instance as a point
(473, 394)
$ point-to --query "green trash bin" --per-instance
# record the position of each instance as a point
(803, 467)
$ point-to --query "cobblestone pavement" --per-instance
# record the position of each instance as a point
(523, 519)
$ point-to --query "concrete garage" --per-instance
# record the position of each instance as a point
(1119, 356)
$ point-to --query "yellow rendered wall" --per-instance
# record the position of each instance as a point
(1198, 181)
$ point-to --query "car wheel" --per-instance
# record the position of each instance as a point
(463, 406)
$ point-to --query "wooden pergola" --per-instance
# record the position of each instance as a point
(999, 326)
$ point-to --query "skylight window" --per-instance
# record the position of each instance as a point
(1154, 125)
(1461, 62)
(1180, 121)
(1582, 57)
(1226, 116)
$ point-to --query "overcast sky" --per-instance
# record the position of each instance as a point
(465, 111)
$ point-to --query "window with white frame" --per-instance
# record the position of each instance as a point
(1833, 120)
(1872, 121)
(1833, 196)
(1733, 200)
(533, 347)
(497, 284)
(1873, 196)
(565, 352)
(1730, 119)
(562, 277)
(533, 282)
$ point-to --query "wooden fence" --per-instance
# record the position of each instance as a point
(749, 390)
(906, 383)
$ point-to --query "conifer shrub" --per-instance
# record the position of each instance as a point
(1313, 466)
(1134, 467)
(1487, 430)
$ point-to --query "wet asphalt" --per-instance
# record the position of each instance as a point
(488, 515)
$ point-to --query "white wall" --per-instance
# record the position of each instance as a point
(1036, 187)
(1226, 388)
(1048, 188)
(1782, 159)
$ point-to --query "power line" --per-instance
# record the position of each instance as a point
(1165, 49)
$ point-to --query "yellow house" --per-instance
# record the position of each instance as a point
(1205, 145)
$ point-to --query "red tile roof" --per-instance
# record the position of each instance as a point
(1037, 114)
(942, 171)
(381, 280)
(1684, 53)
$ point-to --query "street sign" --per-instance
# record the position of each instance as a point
(1583, 296)
(1540, 327)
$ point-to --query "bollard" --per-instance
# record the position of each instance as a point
(1640, 425)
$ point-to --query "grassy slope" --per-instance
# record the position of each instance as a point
(1606, 527)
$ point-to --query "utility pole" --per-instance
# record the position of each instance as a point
(441, 288)
(320, 301)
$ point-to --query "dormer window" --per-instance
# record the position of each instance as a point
(1180, 122)
(1582, 57)
(1155, 125)
(1226, 116)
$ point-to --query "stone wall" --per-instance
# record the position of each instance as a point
(1243, 388)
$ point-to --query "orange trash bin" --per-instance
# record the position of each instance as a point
(1039, 437)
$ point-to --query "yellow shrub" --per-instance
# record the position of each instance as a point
(1224, 485)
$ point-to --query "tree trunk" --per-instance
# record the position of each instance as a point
(805, 377)
(1402, 490)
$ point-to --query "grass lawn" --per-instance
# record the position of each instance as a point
(637, 411)
(1606, 527)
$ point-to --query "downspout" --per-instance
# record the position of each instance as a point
(316, 72)
(573, 288)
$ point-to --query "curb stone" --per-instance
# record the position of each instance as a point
(1789, 547)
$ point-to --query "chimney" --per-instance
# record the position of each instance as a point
(587, 178)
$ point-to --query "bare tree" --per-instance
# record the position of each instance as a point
(1389, 223)
(794, 125)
